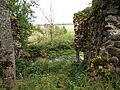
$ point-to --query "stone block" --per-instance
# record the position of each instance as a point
(109, 42)
(115, 37)
(111, 67)
(118, 18)
(117, 44)
(112, 11)
(104, 4)
(113, 51)
(3, 4)
(118, 70)
(111, 18)
(114, 60)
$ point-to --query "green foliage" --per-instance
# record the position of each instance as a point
(21, 65)
(95, 11)
(96, 59)
(66, 55)
(35, 50)
(58, 75)
(51, 76)
(21, 9)
(77, 71)
(106, 72)
(61, 76)
(39, 68)
(64, 41)
(61, 42)
(96, 6)
(59, 31)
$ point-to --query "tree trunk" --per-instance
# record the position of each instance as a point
(51, 33)
(7, 57)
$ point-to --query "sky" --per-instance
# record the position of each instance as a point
(63, 10)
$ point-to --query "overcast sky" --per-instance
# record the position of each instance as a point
(63, 10)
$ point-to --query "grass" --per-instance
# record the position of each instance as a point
(50, 76)
(60, 75)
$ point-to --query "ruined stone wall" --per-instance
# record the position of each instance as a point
(7, 58)
(16, 37)
(80, 24)
(110, 50)
(102, 36)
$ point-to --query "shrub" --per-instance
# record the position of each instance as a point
(22, 65)
(34, 50)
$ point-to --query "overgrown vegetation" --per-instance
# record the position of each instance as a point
(58, 75)
(40, 43)
(51, 65)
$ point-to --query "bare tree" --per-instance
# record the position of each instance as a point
(50, 21)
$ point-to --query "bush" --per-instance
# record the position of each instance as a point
(22, 65)
(34, 50)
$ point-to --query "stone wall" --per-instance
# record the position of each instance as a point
(7, 58)
(101, 37)
(111, 39)
(80, 24)
(16, 36)
(16, 40)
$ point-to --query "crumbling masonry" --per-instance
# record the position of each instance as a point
(98, 35)
(7, 58)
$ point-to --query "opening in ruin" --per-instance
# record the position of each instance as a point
(70, 45)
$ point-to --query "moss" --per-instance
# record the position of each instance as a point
(81, 15)
(96, 6)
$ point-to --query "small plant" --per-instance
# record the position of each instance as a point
(96, 59)
(106, 72)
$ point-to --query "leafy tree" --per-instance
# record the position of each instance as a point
(22, 10)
